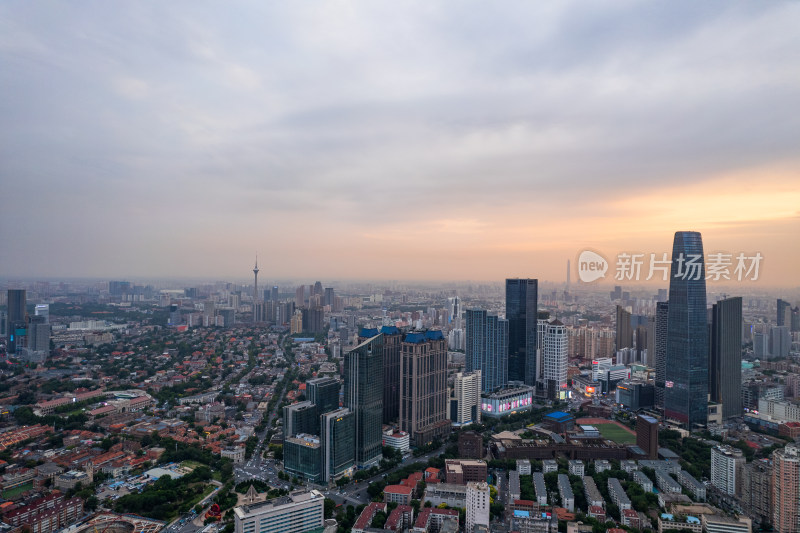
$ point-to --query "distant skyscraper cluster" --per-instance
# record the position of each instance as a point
(27, 336)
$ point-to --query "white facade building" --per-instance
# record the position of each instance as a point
(467, 398)
(477, 504)
(298, 512)
(554, 358)
(726, 462)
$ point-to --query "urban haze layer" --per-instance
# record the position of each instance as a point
(505, 406)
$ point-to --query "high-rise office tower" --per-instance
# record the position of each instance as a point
(42, 310)
(300, 417)
(17, 304)
(118, 288)
(522, 307)
(487, 348)
(317, 288)
(640, 334)
(465, 403)
(338, 438)
(423, 386)
(686, 386)
(256, 300)
(392, 337)
(39, 334)
(784, 313)
(363, 395)
(454, 308)
(330, 297)
(650, 360)
(273, 293)
(300, 296)
(323, 393)
(780, 342)
(554, 358)
(624, 330)
(313, 319)
(302, 457)
(786, 489)
(725, 363)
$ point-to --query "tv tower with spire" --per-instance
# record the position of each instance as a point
(255, 291)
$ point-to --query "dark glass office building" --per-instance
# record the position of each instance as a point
(15, 325)
(725, 363)
(392, 337)
(487, 349)
(323, 393)
(302, 457)
(338, 444)
(363, 395)
(686, 386)
(660, 348)
(300, 417)
(784, 310)
(522, 300)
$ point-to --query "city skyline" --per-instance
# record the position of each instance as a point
(497, 141)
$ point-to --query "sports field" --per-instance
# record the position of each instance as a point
(613, 432)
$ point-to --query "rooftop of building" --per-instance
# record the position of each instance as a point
(419, 337)
(366, 516)
(398, 489)
(559, 416)
(294, 497)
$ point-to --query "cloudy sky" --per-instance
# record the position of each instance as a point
(393, 140)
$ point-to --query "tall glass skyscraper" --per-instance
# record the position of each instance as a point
(686, 384)
(660, 349)
(391, 368)
(487, 348)
(725, 364)
(522, 301)
(338, 444)
(363, 395)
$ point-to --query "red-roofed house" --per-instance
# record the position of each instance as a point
(432, 518)
(789, 429)
(595, 511)
(400, 494)
(630, 518)
(365, 518)
(400, 519)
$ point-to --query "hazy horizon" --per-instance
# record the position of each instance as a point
(418, 142)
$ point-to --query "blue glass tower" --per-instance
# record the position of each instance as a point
(686, 385)
(522, 302)
(487, 348)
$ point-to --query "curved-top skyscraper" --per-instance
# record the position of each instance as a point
(686, 386)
